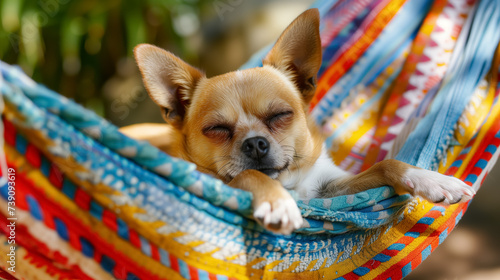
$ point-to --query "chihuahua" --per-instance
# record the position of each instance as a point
(250, 129)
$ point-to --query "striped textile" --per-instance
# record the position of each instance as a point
(94, 204)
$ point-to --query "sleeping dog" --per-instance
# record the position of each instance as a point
(251, 129)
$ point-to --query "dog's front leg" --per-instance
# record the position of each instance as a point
(404, 178)
(274, 208)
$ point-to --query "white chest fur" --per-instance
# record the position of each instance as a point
(307, 182)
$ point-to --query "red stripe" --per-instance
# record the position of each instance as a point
(419, 228)
(391, 253)
(6, 276)
(154, 252)
(451, 171)
(48, 220)
(134, 238)
(97, 256)
(476, 171)
(495, 141)
(193, 273)
(351, 276)
(487, 156)
(415, 262)
(120, 272)
(55, 176)
(405, 240)
(433, 214)
(173, 263)
(109, 219)
(82, 199)
(33, 156)
(74, 240)
(212, 276)
(9, 133)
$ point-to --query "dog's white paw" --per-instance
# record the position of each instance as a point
(436, 187)
(279, 216)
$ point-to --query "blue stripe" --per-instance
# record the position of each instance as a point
(481, 163)
(361, 271)
(183, 269)
(107, 263)
(131, 276)
(87, 247)
(412, 234)
(426, 220)
(202, 275)
(33, 206)
(426, 252)
(145, 247)
(459, 216)
(406, 269)
(69, 189)
(61, 229)
(122, 229)
(164, 257)
(471, 178)
(382, 257)
(4, 190)
(438, 208)
(96, 210)
(45, 166)
(457, 163)
(491, 149)
(397, 246)
(21, 144)
(443, 235)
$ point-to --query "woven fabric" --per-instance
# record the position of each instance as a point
(94, 204)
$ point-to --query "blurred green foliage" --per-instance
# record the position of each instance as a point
(74, 46)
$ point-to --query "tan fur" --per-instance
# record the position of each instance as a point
(385, 173)
(162, 136)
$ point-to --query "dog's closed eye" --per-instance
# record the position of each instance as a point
(219, 132)
(278, 120)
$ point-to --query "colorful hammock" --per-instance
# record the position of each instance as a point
(91, 203)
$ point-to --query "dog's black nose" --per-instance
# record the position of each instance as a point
(255, 147)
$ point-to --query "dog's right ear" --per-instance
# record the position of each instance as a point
(169, 81)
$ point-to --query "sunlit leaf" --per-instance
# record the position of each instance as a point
(31, 39)
(10, 11)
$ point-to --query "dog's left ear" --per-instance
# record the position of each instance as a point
(297, 53)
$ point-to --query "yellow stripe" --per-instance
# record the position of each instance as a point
(350, 138)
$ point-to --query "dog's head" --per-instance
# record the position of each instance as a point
(247, 119)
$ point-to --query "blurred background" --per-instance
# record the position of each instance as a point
(83, 50)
